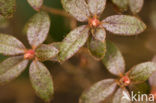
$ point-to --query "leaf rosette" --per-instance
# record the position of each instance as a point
(37, 29)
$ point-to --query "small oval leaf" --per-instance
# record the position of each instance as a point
(77, 8)
(41, 80)
(114, 60)
(124, 25)
(96, 48)
(136, 5)
(38, 28)
(142, 72)
(12, 68)
(36, 4)
(7, 8)
(121, 96)
(9, 45)
(99, 91)
(122, 4)
(57, 46)
(96, 7)
(73, 42)
(100, 34)
(46, 52)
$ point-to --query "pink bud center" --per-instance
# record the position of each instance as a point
(29, 54)
(94, 22)
(125, 80)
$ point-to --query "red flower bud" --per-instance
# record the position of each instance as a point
(29, 54)
(94, 22)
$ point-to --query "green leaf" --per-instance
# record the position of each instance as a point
(38, 28)
(73, 42)
(12, 68)
(36, 4)
(136, 5)
(124, 25)
(99, 91)
(96, 48)
(77, 8)
(100, 34)
(122, 4)
(118, 97)
(152, 79)
(114, 60)
(46, 52)
(9, 45)
(7, 8)
(57, 46)
(142, 72)
(41, 80)
(96, 7)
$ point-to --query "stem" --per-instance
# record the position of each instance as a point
(55, 11)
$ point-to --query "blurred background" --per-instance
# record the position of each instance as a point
(81, 71)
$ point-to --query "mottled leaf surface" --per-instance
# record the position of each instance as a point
(98, 92)
(96, 7)
(96, 48)
(122, 4)
(41, 80)
(12, 68)
(7, 8)
(46, 52)
(9, 45)
(113, 59)
(100, 34)
(136, 5)
(73, 42)
(36, 4)
(77, 8)
(38, 28)
(142, 72)
(124, 25)
(118, 97)
(57, 46)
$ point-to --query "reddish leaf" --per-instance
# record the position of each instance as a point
(96, 7)
(41, 80)
(124, 25)
(36, 4)
(121, 96)
(73, 42)
(99, 91)
(100, 34)
(142, 72)
(136, 5)
(38, 28)
(114, 60)
(46, 52)
(12, 68)
(122, 4)
(77, 8)
(9, 45)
